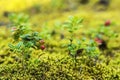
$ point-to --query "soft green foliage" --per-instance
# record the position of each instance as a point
(20, 25)
(103, 32)
(106, 32)
(73, 24)
(19, 19)
(77, 46)
(24, 39)
(24, 60)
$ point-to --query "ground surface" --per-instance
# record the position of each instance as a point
(92, 19)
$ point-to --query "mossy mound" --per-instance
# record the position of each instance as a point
(65, 68)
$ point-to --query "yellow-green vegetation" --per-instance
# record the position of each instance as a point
(59, 40)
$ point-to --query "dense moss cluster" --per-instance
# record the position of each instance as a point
(54, 61)
(65, 68)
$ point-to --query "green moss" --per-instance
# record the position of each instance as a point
(59, 66)
(63, 68)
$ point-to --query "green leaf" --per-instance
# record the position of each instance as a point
(11, 46)
(19, 45)
(79, 21)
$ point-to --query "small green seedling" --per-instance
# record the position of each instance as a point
(24, 39)
(103, 34)
(72, 25)
(20, 25)
(76, 46)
